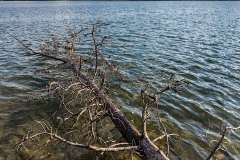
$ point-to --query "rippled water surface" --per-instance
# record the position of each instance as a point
(198, 41)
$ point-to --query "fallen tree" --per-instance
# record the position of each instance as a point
(87, 85)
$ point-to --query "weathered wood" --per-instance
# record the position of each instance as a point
(147, 149)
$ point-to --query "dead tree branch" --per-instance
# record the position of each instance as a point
(33, 52)
(220, 141)
(83, 83)
(218, 144)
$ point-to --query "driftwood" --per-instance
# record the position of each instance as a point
(136, 140)
(128, 131)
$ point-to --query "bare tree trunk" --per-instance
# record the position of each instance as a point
(147, 149)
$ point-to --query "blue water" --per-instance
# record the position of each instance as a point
(198, 41)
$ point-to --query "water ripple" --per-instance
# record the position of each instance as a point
(198, 41)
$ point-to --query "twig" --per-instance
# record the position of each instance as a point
(95, 47)
(33, 52)
(162, 136)
(144, 120)
(75, 144)
(218, 144)
(166, 134)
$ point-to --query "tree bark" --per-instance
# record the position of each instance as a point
(147, 149)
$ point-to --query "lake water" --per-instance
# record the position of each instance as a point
(198, 41)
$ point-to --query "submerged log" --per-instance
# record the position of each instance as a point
(147, 149)
(139, 141)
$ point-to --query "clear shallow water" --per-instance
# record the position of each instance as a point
(199, 41)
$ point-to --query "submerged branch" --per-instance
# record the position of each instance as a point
(91, 101)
